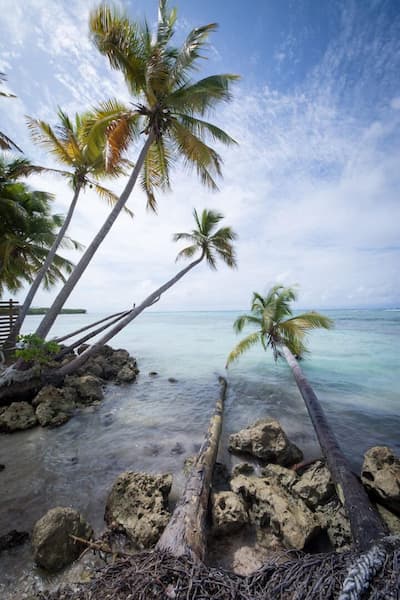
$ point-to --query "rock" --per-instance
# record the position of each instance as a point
(153, 374)
(17, 416)
(138, 503)
(280, 476)
(266, 441)
(52, 545)
(221, 477)
(13, 538)
(228, 513)
(243, 468)
(391, 520)
(188, 464)
(270, 505)
(172, 380)
(54, 406)
(88, 388)
(333, 519)
(2, 467)
(126, 374)
(177, 449)
(380, 475)
(315, 486)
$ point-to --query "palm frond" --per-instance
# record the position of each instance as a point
(202, 96)
(202, 128)
(242, 347)
(108, 196)
(190, 52)
(43, 134)
(244, 320)
(187, 252)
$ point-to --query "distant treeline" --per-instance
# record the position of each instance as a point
(64, 311)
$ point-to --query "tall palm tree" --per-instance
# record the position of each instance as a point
(277, 328)
(168, 111)
(5, 142)
(27, 230)
(73, 145)
(206, 239)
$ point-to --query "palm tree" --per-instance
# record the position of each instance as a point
(168, 111)
(5, 142)
(212, 243)
(27, 230)
(277, 328)
(73, 145)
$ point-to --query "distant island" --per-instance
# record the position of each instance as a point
(64, 311)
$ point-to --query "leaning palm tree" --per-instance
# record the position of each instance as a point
(168, 111)
(278, 329)
(211, 242)
(72, 144)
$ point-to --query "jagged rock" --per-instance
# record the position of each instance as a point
(88, 388)
(380, 474)
(138, 503)
(54, 406)
(315, 486)
(270, 505)
(266, 441)
(17, 416)
(391, 520)
(228, 513)
(280, 476)
(127, 374)
(332, 517)
(52, 545)
(243, 468)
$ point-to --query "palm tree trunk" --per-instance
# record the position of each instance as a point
(62, 338)
(77, 273)
(185, 534)
(366, 526)
(42, 272)
(149, 301)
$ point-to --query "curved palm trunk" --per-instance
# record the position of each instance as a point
(80, 268)
(149, 301)
(185, 534)
(366, 526)
(62, 338)
(42, 272)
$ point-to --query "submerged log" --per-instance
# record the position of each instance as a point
(185, 534)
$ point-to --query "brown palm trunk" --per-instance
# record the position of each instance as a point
(66, 290)
(366, 526)
(149, 301)
(185, 534)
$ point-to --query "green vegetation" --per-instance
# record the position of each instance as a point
(33, 348)
(276, 326)
(6, 143)
(27, 230)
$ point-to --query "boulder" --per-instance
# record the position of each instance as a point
(127, 373)
(54, 406)
(17, 416)
(380, 475)
(52, 545)
(266, 441)
(243, 468)
(315, 486)
(280, 476)
(392, 521)
(138, 503)
(88, 388)
(333, 519)
(271, 505)
(228, 513)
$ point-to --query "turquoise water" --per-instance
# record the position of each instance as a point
(153, 424)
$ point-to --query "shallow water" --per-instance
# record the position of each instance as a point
(153, 425)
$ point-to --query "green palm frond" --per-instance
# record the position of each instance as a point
(187, 252)
(202, 96)
(202, 128)
(43, 135)
(242, 347)
(189, 53)
(156, 171)
(108, 196)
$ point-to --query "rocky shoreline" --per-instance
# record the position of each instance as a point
(270, 503)
(54, 406)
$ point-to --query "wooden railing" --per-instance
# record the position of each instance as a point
(9, 310)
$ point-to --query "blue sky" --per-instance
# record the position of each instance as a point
(313, 186)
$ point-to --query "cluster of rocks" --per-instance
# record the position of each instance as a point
(285, 504)
(53, 406)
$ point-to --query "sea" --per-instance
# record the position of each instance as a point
(154, 424)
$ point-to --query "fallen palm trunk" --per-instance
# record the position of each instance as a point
(86, 327)
(185, 534)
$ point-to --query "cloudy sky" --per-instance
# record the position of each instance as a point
(312, 188)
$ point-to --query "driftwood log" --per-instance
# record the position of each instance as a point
(185, 534)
